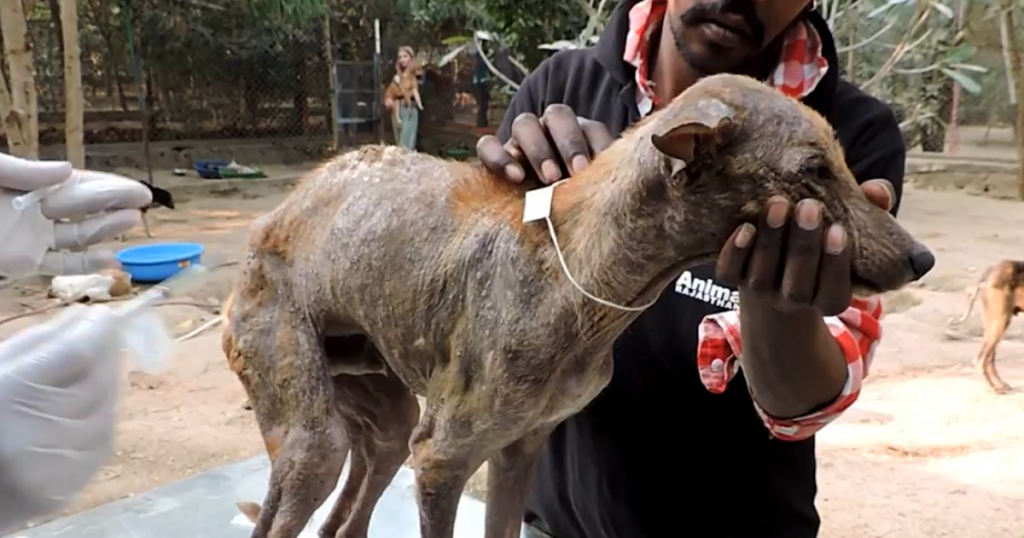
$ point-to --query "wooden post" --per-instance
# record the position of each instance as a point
(139, 88)
(74, 100)
(952, 134)
(24, 106)
(1017, 72)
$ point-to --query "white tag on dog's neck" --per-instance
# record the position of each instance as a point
(538, 203)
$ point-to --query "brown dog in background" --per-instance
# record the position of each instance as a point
(1002, 296)
(405, 91)
(388, 274)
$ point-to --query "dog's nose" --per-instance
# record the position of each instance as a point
(921, 261)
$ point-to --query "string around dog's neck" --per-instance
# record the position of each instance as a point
(545, 213)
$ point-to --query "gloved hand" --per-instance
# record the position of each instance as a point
(58, 405)
(32, 242)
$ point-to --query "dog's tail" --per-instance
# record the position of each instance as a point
(227, 338)
(971, 299)
(225, 310)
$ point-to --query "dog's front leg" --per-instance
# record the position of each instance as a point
(445, 454)
(509, 475)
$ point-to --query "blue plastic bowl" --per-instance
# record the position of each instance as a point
(160, 261)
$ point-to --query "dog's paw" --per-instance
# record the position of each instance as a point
(250, 510)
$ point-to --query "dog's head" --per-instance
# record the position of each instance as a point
(730, 143)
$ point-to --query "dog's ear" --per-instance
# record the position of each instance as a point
(680, 130)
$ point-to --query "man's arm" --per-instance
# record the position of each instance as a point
(804, 371)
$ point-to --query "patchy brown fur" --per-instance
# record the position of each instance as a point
(1001, 288)
(389, 273)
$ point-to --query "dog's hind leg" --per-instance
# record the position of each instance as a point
(998, 311)
(277, 355)
(380, 413)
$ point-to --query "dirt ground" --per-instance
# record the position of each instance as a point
(927, 451)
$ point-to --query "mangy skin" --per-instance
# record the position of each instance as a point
(388, 273)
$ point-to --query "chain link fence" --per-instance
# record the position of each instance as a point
(213, 75)
(199, 71)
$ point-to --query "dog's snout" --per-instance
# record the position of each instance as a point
(921, 261)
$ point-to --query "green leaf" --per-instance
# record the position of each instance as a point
(456, 40)
(961, 53)
(966, 82)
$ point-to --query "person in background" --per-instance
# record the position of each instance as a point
(59, 379)
(482, 87)
(707, 426)
(404, 96)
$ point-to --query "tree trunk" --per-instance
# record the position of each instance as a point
(23, 112)
(1017, 72)
(10, 120)
(74, 104)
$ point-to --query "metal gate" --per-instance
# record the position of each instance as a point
(357, 94)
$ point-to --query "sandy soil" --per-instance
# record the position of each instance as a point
(926, 452)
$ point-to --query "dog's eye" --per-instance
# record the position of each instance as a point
(815, 168)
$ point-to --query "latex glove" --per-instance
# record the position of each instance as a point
(58, 405)
(33, 242)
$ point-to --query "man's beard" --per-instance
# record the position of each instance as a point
(705, 60)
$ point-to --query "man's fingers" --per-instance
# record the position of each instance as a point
(880, 192)
(763, 273)
(25, 175)
(64, 360)
(835, 294)
(95, 192)
(498, 159)
(803, 254)
(94, 230)
(732, 261)
(597, 134)
(21, 345)
(529, 133)
(564, 129)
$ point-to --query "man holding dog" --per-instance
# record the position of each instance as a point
(707, 428)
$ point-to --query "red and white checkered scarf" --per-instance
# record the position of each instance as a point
(801, 65)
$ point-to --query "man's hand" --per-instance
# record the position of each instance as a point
(799, 265)
(90, 208)
(58, 406)
(576, 141)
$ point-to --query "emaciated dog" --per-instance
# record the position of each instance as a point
(389, 273)
(1002, 296)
